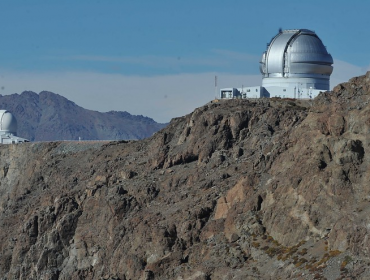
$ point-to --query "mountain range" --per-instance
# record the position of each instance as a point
(48, 117)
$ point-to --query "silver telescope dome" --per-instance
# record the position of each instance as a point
(8, 123)
(8, 129)
(294, 55)
(295, 65)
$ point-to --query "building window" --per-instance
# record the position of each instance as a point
(284, 89)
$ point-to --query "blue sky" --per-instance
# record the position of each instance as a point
(159, 58)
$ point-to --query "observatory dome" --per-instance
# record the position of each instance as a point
(8, 123)
(296, 58)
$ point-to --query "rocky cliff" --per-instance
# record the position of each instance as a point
(264, 189)
(48, 117)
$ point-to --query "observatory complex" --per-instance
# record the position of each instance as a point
(8, 129)
(296, 64)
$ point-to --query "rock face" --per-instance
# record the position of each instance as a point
(48, 117)
(265, 189)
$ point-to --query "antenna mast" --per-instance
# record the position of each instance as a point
(215, 87)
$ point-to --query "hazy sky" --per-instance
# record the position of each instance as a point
(159, 58)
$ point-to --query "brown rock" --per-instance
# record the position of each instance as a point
(238, 189)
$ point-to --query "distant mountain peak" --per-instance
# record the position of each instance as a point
(48, 116)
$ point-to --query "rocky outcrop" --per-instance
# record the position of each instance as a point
(50, 117)
(238, 189)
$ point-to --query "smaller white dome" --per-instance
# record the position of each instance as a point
(8, 123)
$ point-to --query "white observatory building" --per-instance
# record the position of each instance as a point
(8, 129)
(296, 64)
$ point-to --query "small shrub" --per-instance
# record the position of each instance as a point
(303, 252)
(295, 259)
(298, 263)
(308, 266)
(271, 252)
(347, 260)
(334, 253)
(255, 244)
(291, 251)
(324, 259)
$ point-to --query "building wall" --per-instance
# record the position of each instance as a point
(314, 83)
(245, 92)
(11, 139)
(271, 91)
(251, 92)
(288, 92)
(228, 93)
